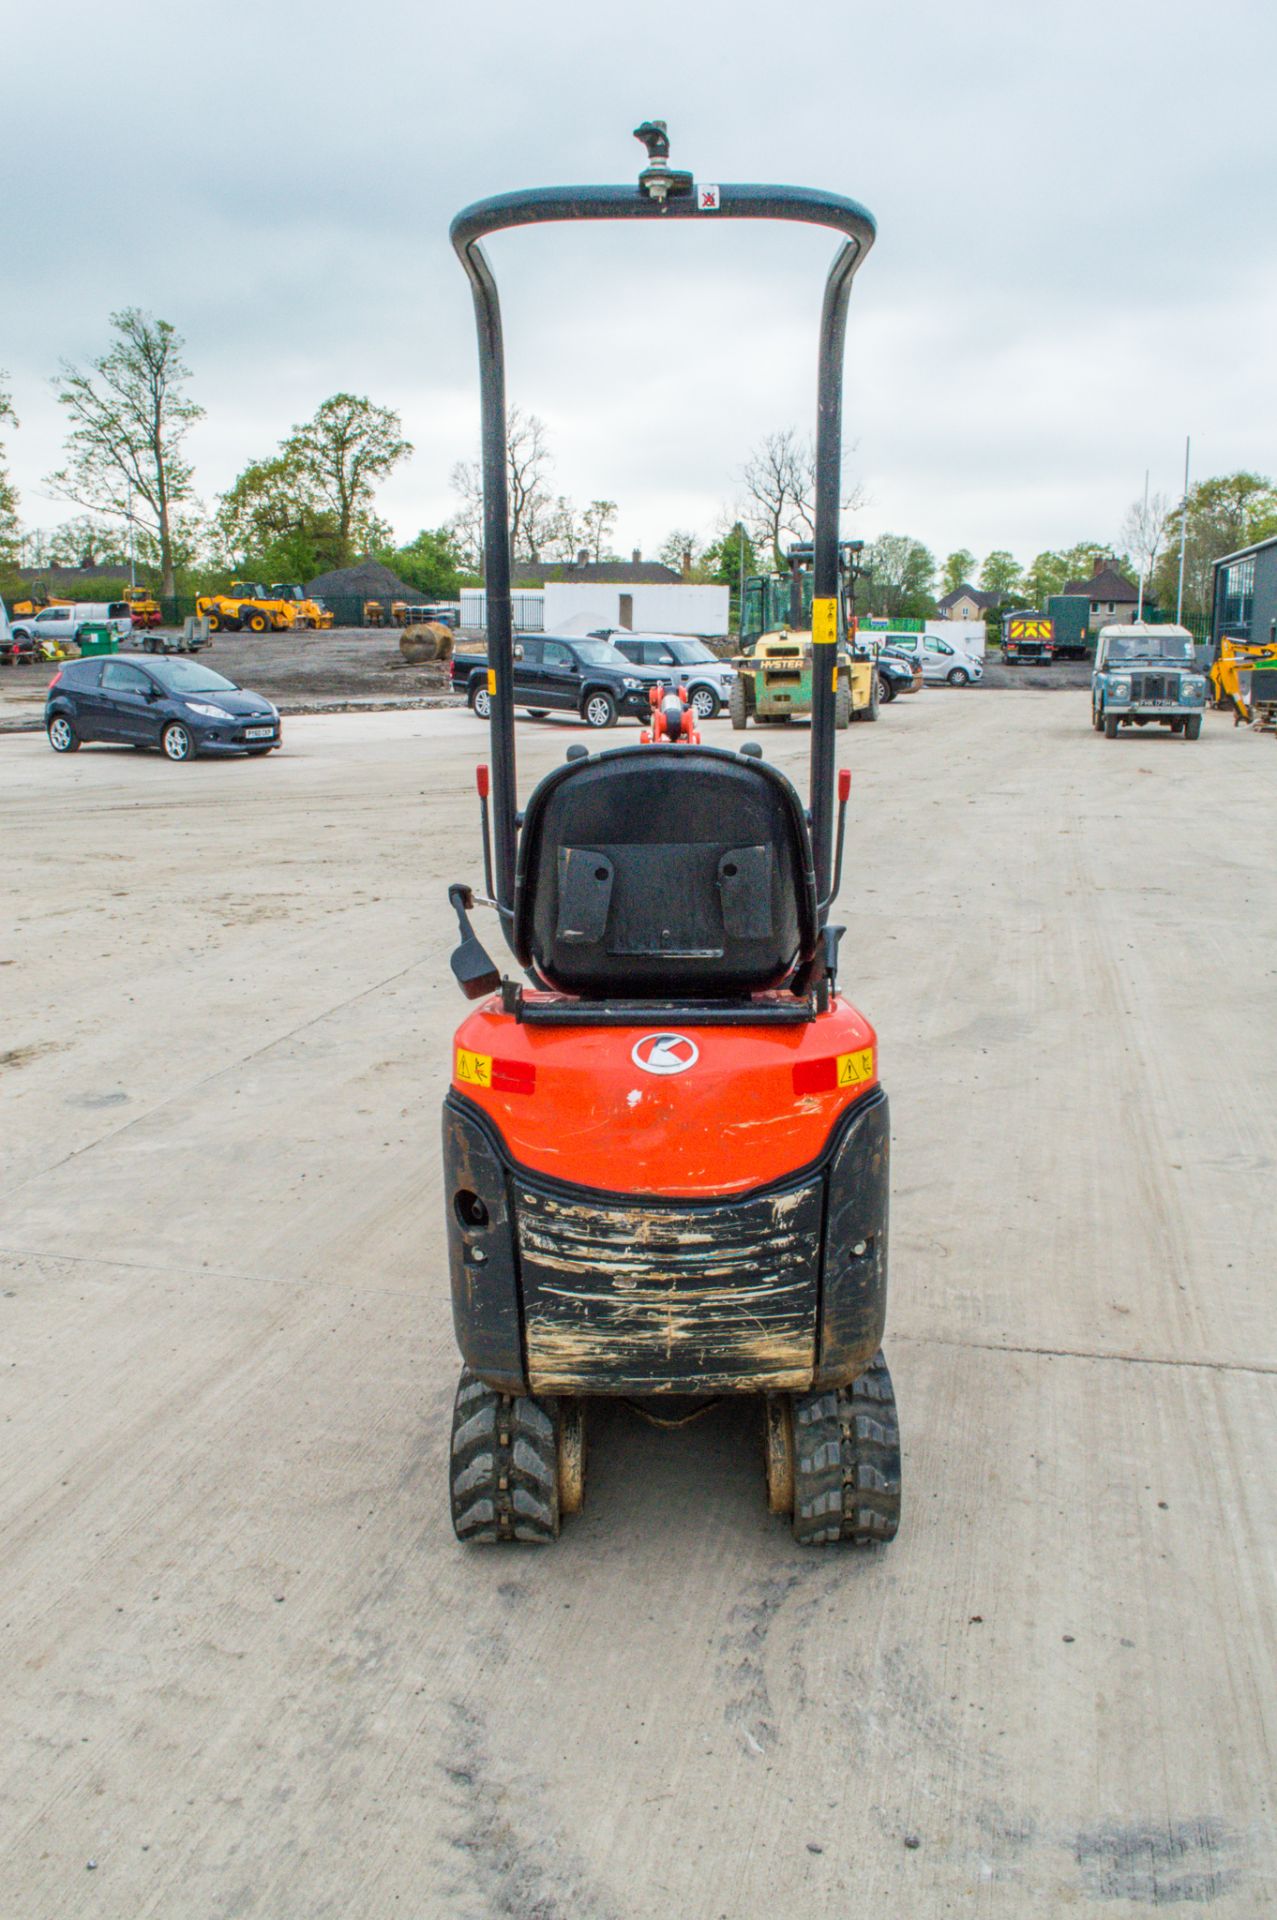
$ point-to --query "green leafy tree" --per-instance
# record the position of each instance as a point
(340, 455)
(130, 414)
(1081, 559)
(1046, 576)
(1225, 512)
(722, 564)
(10, 530)
(900, 574)
(430, 564)
(597, 525)
(274, 522)
(957, 570)
(1001, 573)
(677, 544)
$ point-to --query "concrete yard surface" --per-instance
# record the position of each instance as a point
(248, 1672)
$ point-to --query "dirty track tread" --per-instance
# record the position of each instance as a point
(503, 1469)
(847, 1462)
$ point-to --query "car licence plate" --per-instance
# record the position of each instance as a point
(259, 733)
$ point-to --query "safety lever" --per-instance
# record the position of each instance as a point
(472, 965)
(844, 794)
(481, 781)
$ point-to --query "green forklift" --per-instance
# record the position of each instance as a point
(774, 667)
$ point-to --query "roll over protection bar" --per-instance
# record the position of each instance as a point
(661, 193)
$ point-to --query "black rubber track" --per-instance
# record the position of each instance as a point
(847, 1462)
(503, 1472)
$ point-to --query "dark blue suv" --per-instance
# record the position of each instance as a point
(178, 706)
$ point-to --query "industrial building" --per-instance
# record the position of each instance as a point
(1244, 594)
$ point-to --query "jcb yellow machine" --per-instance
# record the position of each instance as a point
(143, 605)
(36, 601)
(1242, 678)
(306, 612)
(247, 606)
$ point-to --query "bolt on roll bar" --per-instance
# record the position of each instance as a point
(662, 193)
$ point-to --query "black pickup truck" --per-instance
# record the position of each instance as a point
(556, 673)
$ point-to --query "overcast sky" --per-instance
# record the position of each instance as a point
(1076, 262)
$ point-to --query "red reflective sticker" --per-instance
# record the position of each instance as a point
(513, 1076)
(815, 1076)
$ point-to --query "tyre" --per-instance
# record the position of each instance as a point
(537, 713)
(481, 702)
(842, 707)
(959, 677)
(232, 622)
(256, 621)
(1192, 726)
(737, 707)
(503, 1468)
(214, 620)
(177, 742)
(1096, 721)
(846, 1462)
(1110, 726)
(63, 737)
(706, 704)
(886, 689)
(599, 709)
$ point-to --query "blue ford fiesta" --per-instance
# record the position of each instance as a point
(176, 705)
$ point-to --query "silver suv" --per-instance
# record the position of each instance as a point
(707, 678)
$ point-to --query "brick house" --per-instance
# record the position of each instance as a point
(1113, 599)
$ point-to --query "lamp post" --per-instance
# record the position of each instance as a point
(1183, 539)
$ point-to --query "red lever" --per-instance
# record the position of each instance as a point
(844, 784)
(481, 779)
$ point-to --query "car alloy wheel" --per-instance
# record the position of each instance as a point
(959, 677)
(62, 734)
(178, 744)
(705, 703)
(600, 710)
(482, 703)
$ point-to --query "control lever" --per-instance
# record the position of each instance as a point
(473, 967)
(481, 781)
(844, 794)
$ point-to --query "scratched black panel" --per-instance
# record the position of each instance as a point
(854, 1288)
(481, 1254)
(627, 1298)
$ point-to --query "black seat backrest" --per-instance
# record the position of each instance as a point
(654, 871)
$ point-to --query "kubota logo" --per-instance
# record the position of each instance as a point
(665, 1053)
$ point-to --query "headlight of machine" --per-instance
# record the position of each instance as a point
(631, 686)
(1120, 689)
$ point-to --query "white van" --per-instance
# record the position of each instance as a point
(940, 662)
(64, 623)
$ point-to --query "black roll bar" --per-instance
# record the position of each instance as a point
(661, 194)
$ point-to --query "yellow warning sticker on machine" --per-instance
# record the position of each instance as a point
(824, 622)
(492, 681)
(855, 1068)
(474, 1069)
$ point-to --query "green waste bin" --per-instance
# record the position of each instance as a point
(96, 637)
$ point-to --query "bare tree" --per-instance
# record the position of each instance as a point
(780, 485)
(1144, 532)
(9, 529)
(131, 415)
(536, 517)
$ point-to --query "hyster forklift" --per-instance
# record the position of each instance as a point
(774, 670)
(666, 1147)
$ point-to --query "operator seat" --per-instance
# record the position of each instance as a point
(647, 874)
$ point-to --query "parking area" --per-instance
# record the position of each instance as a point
(249, 1670)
